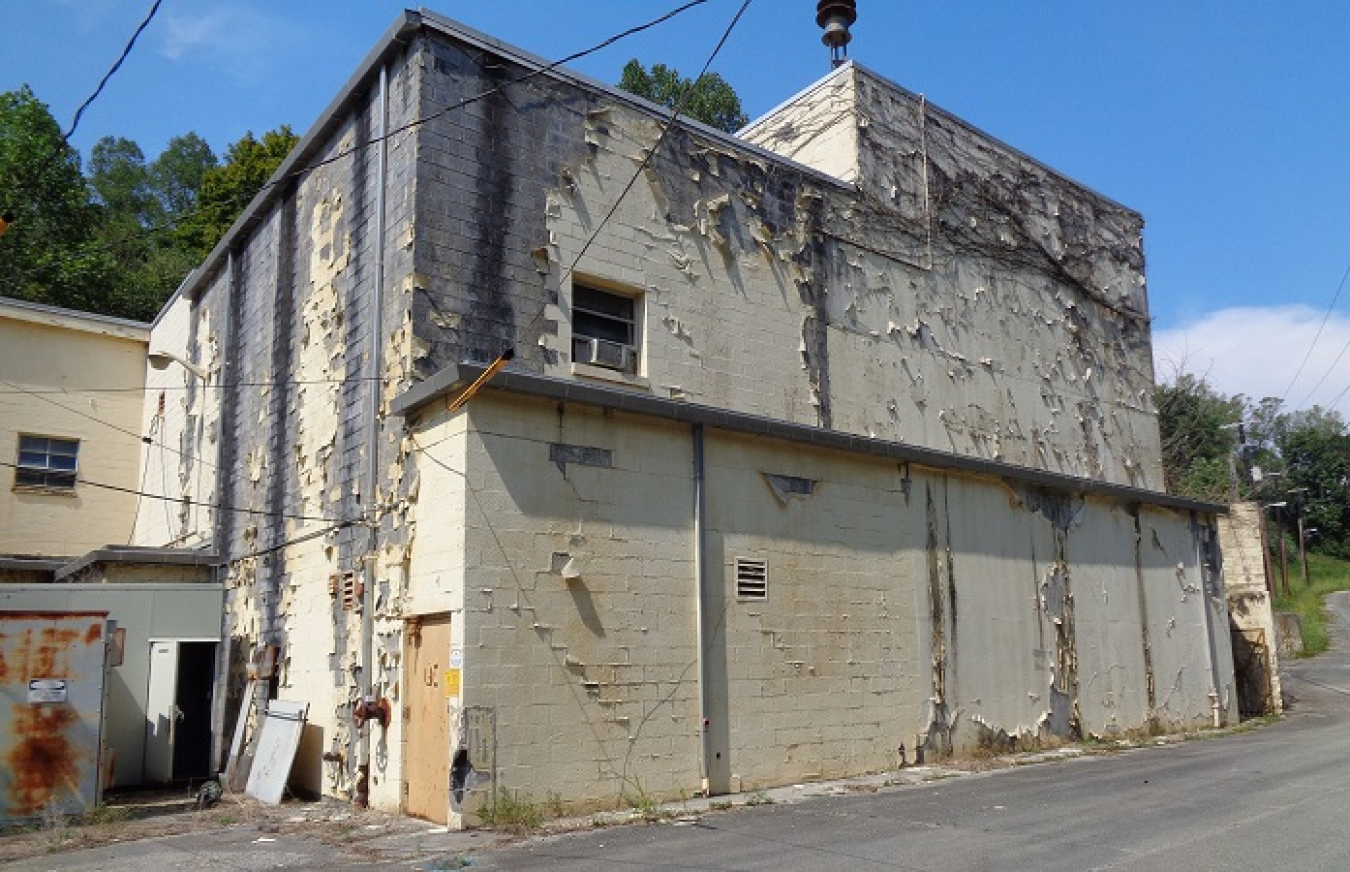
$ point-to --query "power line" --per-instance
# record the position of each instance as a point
(145, 22)
(417, 122)
(273, 383)
(96, 419)
(1313, 344)
(305, 537)
(656, 146)
(1325, 375)
(22, 186)
(240, 201)
(220, 507)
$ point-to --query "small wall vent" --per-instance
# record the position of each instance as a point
(349, 588)
(752, 579)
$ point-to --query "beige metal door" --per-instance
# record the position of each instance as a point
(426, 757)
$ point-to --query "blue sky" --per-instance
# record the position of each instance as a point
(1224, 123)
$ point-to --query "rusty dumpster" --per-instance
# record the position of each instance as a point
(52, 674)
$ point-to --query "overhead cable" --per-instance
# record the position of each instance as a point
(145, 22)
(656, 146)
(222, 507)
(1313, 344)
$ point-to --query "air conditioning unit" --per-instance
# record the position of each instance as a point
(602, 352)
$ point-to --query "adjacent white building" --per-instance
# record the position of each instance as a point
(70, 409)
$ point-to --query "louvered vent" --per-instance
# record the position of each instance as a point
(752, 579)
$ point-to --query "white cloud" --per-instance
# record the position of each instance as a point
(223, 32)
(1256, 351)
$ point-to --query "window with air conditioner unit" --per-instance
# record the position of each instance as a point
(604, 329)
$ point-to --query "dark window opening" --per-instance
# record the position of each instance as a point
(47, 463)
(604, 329)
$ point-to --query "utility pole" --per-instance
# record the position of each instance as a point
(1302, 549)
(1284, 561)
(1232, 458)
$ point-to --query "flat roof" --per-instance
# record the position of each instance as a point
(133, 554)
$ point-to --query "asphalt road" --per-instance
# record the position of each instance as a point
(1272, 798)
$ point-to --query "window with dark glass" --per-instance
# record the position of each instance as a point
(604, 329)
(47, 462)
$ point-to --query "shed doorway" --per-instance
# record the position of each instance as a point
(178, 710)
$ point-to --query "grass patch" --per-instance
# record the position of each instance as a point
(104, 814)
(1327, 575)
(514, 813)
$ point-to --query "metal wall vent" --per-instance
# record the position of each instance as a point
(752, 579)
(349, 588)
(787, 487)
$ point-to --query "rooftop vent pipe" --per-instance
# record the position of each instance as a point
(835, 17)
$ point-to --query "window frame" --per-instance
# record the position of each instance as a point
(590, 318)
(40, 471)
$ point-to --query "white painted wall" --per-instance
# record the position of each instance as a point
(905, 606)
(70, 376)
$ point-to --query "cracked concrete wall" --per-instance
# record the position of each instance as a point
(960, 296)
(999, 304)
(179, 414)
(578, 621)
(905, 607)
(826, 676)
(997, 312)
(1093, 610)
(1249, 602)
(284, 329)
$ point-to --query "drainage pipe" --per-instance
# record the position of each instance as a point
(1208, 575)
(375, 358)
(220, 570)
(701, 606)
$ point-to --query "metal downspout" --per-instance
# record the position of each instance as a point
(701, 606)
(375, 359)
(218, 545)
(1215, 708)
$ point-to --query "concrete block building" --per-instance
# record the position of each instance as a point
(822, 445)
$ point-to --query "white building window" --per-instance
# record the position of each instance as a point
(604, 329)
(47, 462)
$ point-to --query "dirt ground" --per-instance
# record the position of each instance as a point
(134, 815)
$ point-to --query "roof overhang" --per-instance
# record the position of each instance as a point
(32, 564)
(138, 556)
(452, 379)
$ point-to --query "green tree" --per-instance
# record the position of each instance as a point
(713, 101)
(128, 209)
(121, 182)
(140, 206)
(1304, 457)
(1316, 450)
(50, 253)
(226, 189)
(1194, 422)
(176, 176)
